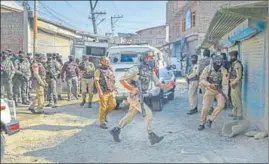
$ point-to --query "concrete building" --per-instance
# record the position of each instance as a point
(191, 21)
(244, 27)
(154, 36)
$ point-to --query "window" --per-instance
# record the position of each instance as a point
(128, 58)
(95, 51)
(193, 19)
(188, 20)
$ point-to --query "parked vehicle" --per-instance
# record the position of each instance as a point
(9, 125)
(175, 61)
(167, 75)
(124, 57)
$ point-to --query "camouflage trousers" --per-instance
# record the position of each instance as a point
(52, 90)
(72, 83)
(59, 86)
(7, 87)
(20, 89)
(38, 102)
(133, 109)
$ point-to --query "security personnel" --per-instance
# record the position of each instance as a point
(7, 74)
(53, 70)
(79, 80)
(59, 81)
(212, 77)
(144, 73)
(235, 81)
(202, 63)
(71, 73)
(87, 72)
(104, 81)
(21, 78)
(193, 82)
(39, 83)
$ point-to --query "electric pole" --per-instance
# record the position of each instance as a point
(93, 13)
(35, 27)
(114, 22)
(25, 25)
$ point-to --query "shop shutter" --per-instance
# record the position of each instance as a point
(253, 57)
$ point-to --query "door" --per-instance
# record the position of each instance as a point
(79, 52)
(253, 57)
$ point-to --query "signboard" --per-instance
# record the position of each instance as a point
(188, 19)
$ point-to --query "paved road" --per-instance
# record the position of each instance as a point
(73, 135)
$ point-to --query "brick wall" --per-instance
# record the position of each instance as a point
(12, 31)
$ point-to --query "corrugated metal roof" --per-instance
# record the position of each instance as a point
(226, 19)
(12, 5)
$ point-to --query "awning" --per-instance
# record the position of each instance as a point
(239, 35)
(226, 19)
(244, 34)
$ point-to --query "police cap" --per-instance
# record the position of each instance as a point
(194, 57)
(233, 53)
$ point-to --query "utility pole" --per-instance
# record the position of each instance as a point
(93, 13)
(35, 27)
(114, 22)
(25, 25)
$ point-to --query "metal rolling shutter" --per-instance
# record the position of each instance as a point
(253, 57)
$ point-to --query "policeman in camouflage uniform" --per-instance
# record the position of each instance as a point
(104, 81)
(21, 78)
(202, 63)
(193, 82)
(235, 81)
(144, 73)
(87, 72)
(70, 71)
(59, 81)
(53, 70)
(7, 74)
(39, 83)
(212, 77)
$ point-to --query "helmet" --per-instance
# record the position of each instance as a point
(206, 52)
(49, 55)
(40, 57)
(217, 59)
(233, 53)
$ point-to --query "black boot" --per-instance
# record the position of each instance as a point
(201, 127)
(115, 132)
(24, 102)
(153, 138)
(55, 102)
(90, 105)
(103, 126)
(83, 102)
(192, 111)
(209, 123)
(31, 110)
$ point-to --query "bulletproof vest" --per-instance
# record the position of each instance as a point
(88, 69)
(24, 67)
(71, 69)
(145, 76)
(107, 79)
(215, 77)
(202, 64)
(232, 75)
(6, 64)
(41, 72)
(51, 69)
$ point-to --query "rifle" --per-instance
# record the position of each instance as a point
(141, 97)
(218, 89)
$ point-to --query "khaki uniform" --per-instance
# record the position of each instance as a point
(39, 84)
(87, 80)
(108, 103)
(235, 79)
(221, 78)
(130, 75)
(193, 86)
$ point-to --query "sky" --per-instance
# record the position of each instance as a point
(137, 15)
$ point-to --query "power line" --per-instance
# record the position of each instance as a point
(77, 11)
